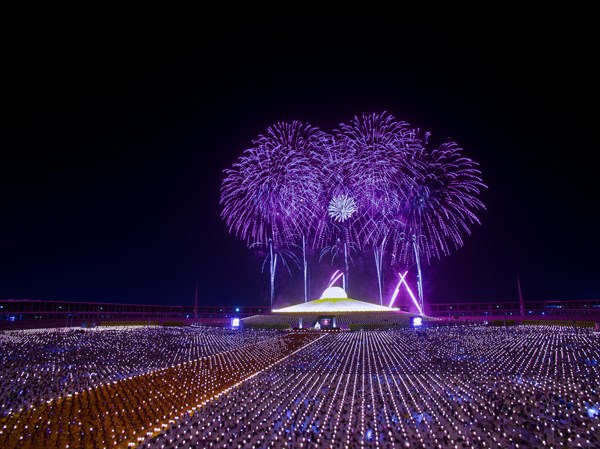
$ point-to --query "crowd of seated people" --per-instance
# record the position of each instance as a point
(437, 387)
(447, 387)
(43, 364)
(124, 411)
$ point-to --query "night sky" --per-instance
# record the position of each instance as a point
(114, 144)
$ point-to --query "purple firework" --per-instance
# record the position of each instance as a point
(269, 195)
(440, 205)
(443, 201)
(376, 149)
(271, 191)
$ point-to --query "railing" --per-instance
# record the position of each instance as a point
(20, 314)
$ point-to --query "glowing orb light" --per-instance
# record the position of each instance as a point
(417, 321)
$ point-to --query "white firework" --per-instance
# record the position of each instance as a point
(341, 207)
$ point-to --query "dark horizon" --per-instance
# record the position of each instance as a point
(114, 151)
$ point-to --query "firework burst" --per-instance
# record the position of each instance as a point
(443, 200)
(341, 207)
(269, 194)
